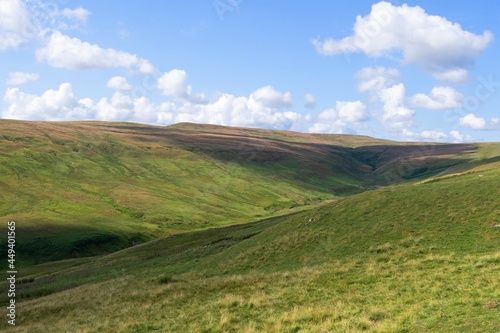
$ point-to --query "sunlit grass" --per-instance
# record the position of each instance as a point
(374, 262)
(446, 293)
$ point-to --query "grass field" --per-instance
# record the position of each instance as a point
(82, 189)
(89, 188)
(420, 256)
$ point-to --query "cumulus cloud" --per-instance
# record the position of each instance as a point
(310, 101)
(435, 136)
(478, 123)
(395, 113)
(18, 78)
(66, 18)
(79, 14)
(440, 98)
(118, 83)
(240, 111)
(174, 84)
(456, 75)
(472, 121)
(328, 123)
(457, 137)
(338, 119)
(376, 78)
(378, 81)
(62, 51)
(272, 98)
(352, 112)
(118, 107)
(57, 104)
(15, 24)
(227, 109)
(437, 44)
(62, 104)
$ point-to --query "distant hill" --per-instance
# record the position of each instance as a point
(86, 188)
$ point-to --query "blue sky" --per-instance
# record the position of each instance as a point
(413, 71)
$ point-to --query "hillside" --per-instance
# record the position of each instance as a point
(89, 188)
(417, 257)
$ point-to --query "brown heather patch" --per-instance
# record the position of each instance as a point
(491, 305)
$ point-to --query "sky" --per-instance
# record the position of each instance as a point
(400, 70)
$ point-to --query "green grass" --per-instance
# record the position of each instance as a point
(90, 188)
(417, 257)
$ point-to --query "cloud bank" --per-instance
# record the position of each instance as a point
(263, 107)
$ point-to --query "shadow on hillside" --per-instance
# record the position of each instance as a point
(329, 167)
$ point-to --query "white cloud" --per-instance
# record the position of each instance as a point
(456, 75)
(395, 113)
(61, 104)
(118, 107)
(332, 127)
(22, 21)
(272, 98)
(429, 40)
(174, 84)
(64, 19)
(435, 136)
(472, 121)
(478, 123)
(378, 81)
(227, 109)
(338, 119)
(440, 98)
(352, 112)
(310, 101)
(376, 78)
(62, 51)
(397, 110)
(18, 78)
(15, 24)
(328, 122)
(233, 110)
(57, 104)
(457, 137)
(118, 83)
(79, 14)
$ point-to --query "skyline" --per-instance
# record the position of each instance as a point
(407, 71)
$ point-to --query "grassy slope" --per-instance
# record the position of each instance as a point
(87, 188)
(420, 257)
(79, 189)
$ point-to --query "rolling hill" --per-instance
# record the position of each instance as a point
(419, 256)
(89, 188)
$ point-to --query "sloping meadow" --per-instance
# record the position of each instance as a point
(419, 257)
(89, 188)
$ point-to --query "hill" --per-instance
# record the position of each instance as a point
(416, 257)
(88, 188)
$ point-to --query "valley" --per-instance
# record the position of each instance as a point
(202, 228)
